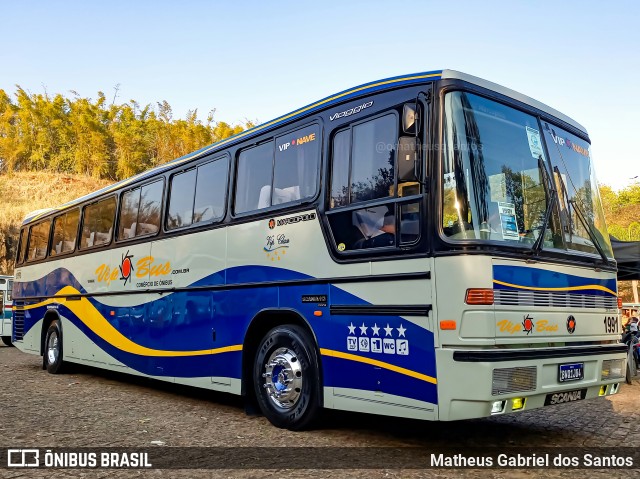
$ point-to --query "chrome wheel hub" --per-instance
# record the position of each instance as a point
(53, 349)
(283, 378)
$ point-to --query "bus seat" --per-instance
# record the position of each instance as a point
(101, 238)
(285, 195)
(69, 245)
(280, 195)
(129, 232)
(147, 228)
(265, 197)
(90, 240)
(59, 248)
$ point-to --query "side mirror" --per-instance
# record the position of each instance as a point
(410, 119)
(407, 156)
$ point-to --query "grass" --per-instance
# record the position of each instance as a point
(23, 192)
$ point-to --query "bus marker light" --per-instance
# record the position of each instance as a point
(479, 296)
(448, 324)
(517, 403)
(497, 407)
(317, 313)
(619, 302)
(603, 390)
(112, 313)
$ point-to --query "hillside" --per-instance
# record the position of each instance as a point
(23, 192)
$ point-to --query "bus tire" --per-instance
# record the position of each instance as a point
(53, 349)
(286, 377)
(7, 340)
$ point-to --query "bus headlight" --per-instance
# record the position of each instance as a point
(612, 369)
(497, 407)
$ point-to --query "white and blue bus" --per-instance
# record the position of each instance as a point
(428, 246)
(6, 303)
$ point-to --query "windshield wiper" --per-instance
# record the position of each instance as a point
(583, 220)
(587, 226)
(539, 242)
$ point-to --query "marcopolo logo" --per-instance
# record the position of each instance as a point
(295, 219)
(351, 111)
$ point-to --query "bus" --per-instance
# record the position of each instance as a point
(427, 246)
(6, 302)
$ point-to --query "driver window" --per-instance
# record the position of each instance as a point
(365, 171)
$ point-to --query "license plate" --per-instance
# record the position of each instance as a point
(567, 396)
(570, 372)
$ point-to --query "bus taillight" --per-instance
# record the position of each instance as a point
(479, 296)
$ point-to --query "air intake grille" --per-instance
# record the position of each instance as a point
(553, 299)
(18, 324)
(513, 380)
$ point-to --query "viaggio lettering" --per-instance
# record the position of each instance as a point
(351, 111)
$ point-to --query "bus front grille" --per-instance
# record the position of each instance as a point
(513, 380)
(553, 299)
(18, 324)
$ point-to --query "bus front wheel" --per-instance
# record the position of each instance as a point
(286, 377)
(53, 348)
(7, 340)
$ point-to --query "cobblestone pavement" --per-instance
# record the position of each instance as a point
(89, 407)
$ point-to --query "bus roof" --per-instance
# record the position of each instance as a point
(367, 88)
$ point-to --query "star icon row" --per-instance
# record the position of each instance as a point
(375, 328)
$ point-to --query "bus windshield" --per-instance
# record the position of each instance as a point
(580, 205)
(498, 184)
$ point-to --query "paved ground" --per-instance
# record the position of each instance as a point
(89, 407)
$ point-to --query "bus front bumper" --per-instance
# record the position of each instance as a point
(490, 382)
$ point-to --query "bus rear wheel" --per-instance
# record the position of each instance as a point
(53, 349)
(7, 340)
(286, 378)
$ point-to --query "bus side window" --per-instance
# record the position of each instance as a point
(65, 230)
(254, 178)
(295, 174)
(97, 223)
(211, 190)
(268, 177)
(363, 170)
(38, 241)
(22, 248)
(367, 209)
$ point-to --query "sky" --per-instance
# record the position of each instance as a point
(259, 60)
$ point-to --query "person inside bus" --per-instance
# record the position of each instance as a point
(377, 225)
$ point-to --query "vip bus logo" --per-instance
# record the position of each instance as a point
(126, 267)
(272, 223)
(571, 324)
(528, 324)
(299, 141)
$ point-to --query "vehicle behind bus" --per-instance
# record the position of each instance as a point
(6, 304)
(429, 246)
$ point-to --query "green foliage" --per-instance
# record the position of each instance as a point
(94, 138)
(622, 210)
